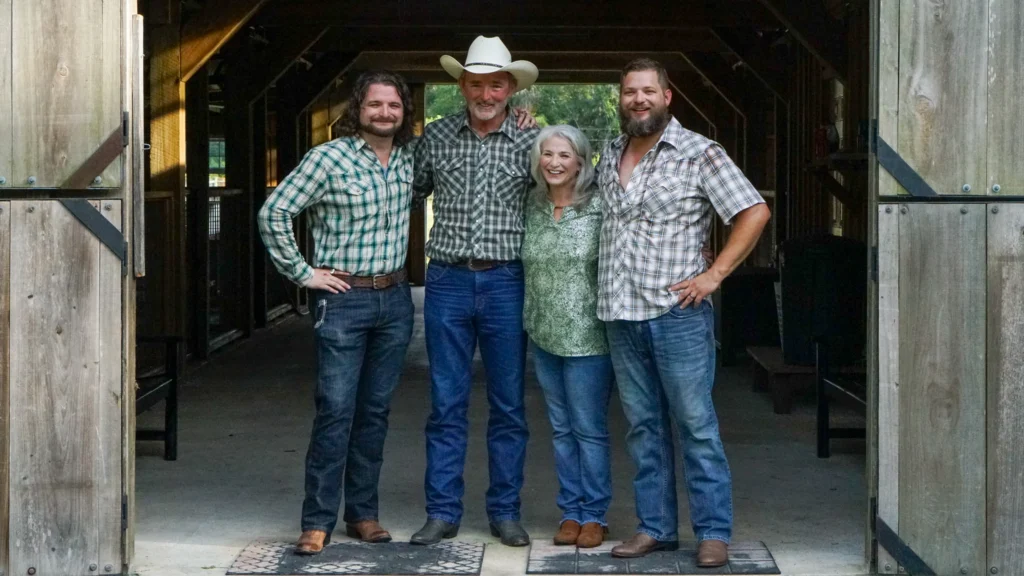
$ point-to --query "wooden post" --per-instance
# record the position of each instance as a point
(416, 260)
(197, 102)
(164, 286)
(258, 194)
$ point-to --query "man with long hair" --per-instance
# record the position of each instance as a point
(358, 189)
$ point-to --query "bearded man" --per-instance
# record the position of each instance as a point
(659, 182)
(358, 189)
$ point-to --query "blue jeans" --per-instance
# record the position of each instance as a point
(665, 368)
(361, 337)
(577, 390)
(463, 308)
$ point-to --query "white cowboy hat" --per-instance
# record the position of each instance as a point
(488, 55)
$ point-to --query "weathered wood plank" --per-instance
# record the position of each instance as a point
(1006, 388)
(106, 427)
(1005, 105)
(6, 111)
(888, 376)
(888, 86)
(943, 93)
(942, 385)
(66, 87)
(138, 138)
(65, 450)
(5, 382)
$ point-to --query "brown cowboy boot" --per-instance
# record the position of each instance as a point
(641, 545)
(591, 536)
(312, 542)
(567, 533)
(712, 553)
(368, 531)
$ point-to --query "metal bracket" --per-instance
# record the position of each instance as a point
(894, 164)
(899, 550)
(100, 227)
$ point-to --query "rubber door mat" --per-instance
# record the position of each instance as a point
(744, 558)
(393, 558)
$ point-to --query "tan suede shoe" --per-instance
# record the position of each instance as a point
(368, 531)
(312, 542)
(591, 535)
(712, 553)
(568, 532)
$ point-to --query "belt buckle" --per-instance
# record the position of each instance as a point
(374, 281)
(470, 264)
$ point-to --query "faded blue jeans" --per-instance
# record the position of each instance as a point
(361, 338)
(577, 390)
(463, 308)
(665, 369)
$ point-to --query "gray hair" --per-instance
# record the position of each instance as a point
(584, 155)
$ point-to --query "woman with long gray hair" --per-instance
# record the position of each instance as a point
(559, 254)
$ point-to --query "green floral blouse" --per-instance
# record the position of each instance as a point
(560, 262)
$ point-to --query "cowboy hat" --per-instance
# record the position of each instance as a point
(488, 55)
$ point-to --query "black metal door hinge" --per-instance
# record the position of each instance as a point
(124, 513)
(125, 129)
(874, 270)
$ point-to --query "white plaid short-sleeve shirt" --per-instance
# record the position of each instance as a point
(653, 230)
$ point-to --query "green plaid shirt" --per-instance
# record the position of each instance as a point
(479, 186)
(358, 211)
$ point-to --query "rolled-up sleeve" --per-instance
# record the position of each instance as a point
(303, 187)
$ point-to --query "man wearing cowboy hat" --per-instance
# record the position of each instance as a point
(476, 163)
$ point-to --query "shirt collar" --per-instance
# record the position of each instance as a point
(508, 127)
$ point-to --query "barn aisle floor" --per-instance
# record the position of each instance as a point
(246, 416)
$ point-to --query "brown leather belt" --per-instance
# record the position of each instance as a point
(479, 265)
(377, 282)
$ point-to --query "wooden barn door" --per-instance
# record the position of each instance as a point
(950, 287)
(66, 384)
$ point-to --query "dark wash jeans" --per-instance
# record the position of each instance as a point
(361, 338)
(463, 308)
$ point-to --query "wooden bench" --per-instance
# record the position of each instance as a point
(162, 385)
(772, 373)
(850, 387)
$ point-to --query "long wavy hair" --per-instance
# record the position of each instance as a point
(348, 124)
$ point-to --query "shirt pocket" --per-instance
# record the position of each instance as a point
(355, 194)
(669, 191)
(509, 184)
(450, 176)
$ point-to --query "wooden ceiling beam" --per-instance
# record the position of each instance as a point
(567, 14)
(250, 75)
(756, 60)
(403, 38)
(811, 25)
(203, 33)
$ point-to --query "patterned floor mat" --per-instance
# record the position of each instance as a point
(744, 558)
(461, 558)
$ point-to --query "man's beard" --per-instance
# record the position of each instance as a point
(381, 132)
(487, 115)
(655, 122)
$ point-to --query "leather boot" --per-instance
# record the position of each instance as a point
(641, 545)
(567, 533)
(712, 553)
(368, 531)
(312, 542)
(591, 536)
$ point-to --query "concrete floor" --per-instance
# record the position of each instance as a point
(245, 421)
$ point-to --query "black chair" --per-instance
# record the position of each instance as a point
(161, 385)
